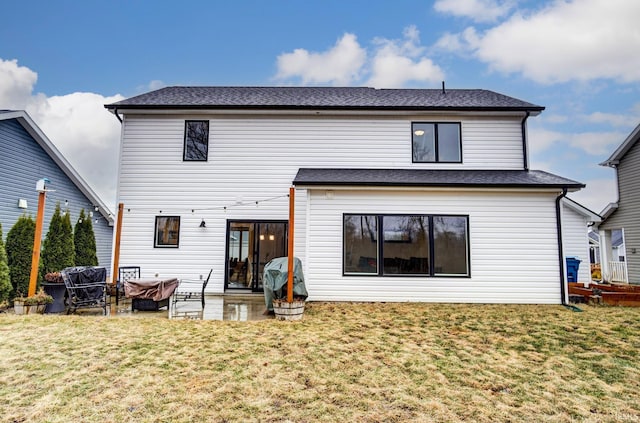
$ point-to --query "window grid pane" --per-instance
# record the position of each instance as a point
(450, 243)
(406, 245)
(424, 142)
(360, 244)
(448, 142)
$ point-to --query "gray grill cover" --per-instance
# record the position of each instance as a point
(274, 280)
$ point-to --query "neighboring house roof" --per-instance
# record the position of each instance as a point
(30, 126)
(433, 178)
(608, 210)
(626, 145)
(346, 98)
(580, 209)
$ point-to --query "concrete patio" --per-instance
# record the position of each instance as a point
(234, 307)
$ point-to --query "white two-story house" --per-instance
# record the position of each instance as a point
(400, 194)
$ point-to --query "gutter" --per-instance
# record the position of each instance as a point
(523, 126)
(115, 112)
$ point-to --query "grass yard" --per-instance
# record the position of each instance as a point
(343, 362)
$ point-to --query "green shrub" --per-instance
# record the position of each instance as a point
(19, 253)
(58, 251)
(5, 276)
(85, 241)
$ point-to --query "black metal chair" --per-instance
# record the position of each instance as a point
(86, 287)
(125, 273)
(189, 290)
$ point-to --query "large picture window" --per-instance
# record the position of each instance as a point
(428, 245)
(167, 232)
(196, 140)
(436, 142)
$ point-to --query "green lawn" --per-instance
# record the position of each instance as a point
(343, 362)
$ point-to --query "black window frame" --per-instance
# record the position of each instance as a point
(186, 142)
(156, 243)
(436, 147)
(380, 247)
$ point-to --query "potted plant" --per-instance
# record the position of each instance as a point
(32, 305)
(54, 286)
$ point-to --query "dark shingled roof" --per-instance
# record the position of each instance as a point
(358, 98)
(433, 178)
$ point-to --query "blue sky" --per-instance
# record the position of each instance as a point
(62, 60)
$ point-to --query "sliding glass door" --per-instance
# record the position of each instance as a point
(251, 245)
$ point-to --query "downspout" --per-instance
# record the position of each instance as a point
(523, 126)
(563, 298)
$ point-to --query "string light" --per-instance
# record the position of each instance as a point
(236, 204)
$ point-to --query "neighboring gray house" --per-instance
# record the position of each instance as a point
(400, 194)
(27, 156)
(624, 214)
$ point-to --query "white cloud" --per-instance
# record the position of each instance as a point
(539, 139)
(596, 143)
(156, 84)
(565, 41)
(397, 62)
(593, 143)
(16, 84)
(478, 10)
(464, 42)
(78, 124)
(597, 194)
(387, 64)
(340, 65)
(617, 120)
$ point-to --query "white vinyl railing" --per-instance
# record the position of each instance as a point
(618, 271)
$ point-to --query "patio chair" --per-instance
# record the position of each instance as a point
(86, 287)
(189, 290)
(125, 273)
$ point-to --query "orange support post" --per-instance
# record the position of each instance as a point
(116, 252)
(37, 240)
(292, 200)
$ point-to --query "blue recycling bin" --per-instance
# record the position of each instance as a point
(573, 264)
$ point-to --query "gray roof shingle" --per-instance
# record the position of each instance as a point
(433, 178)
(323, 98)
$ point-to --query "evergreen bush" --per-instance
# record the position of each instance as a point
(85, 241)
(58, 251)
(5, 276)
(19, 253)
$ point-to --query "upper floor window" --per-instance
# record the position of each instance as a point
(167, 233)
(436, 142)
(196, 140)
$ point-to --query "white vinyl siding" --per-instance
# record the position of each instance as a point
(257, 158)
(512, 237)
(575, 241)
